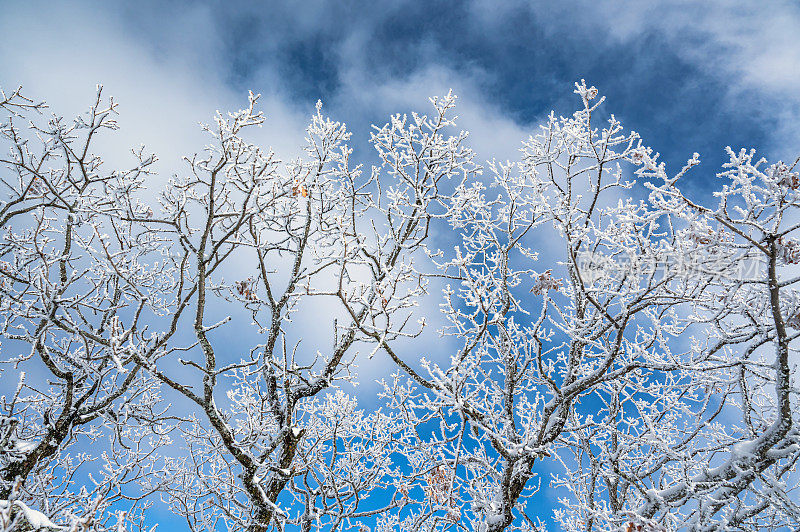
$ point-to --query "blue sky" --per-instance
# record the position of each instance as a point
(689, 77)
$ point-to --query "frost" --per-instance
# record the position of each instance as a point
(36, 519)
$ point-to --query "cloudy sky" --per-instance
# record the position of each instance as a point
(688, 76)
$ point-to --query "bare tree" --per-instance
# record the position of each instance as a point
(73, 299)
(643, 368)
(703, 435)
(312, 232)
(639, 370)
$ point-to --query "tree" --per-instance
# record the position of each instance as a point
(73, 300)
(643, 369)
(312, 230)
(593, 374)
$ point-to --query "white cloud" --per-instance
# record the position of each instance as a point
(753, 44)
(163, 92)
(752, 48)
